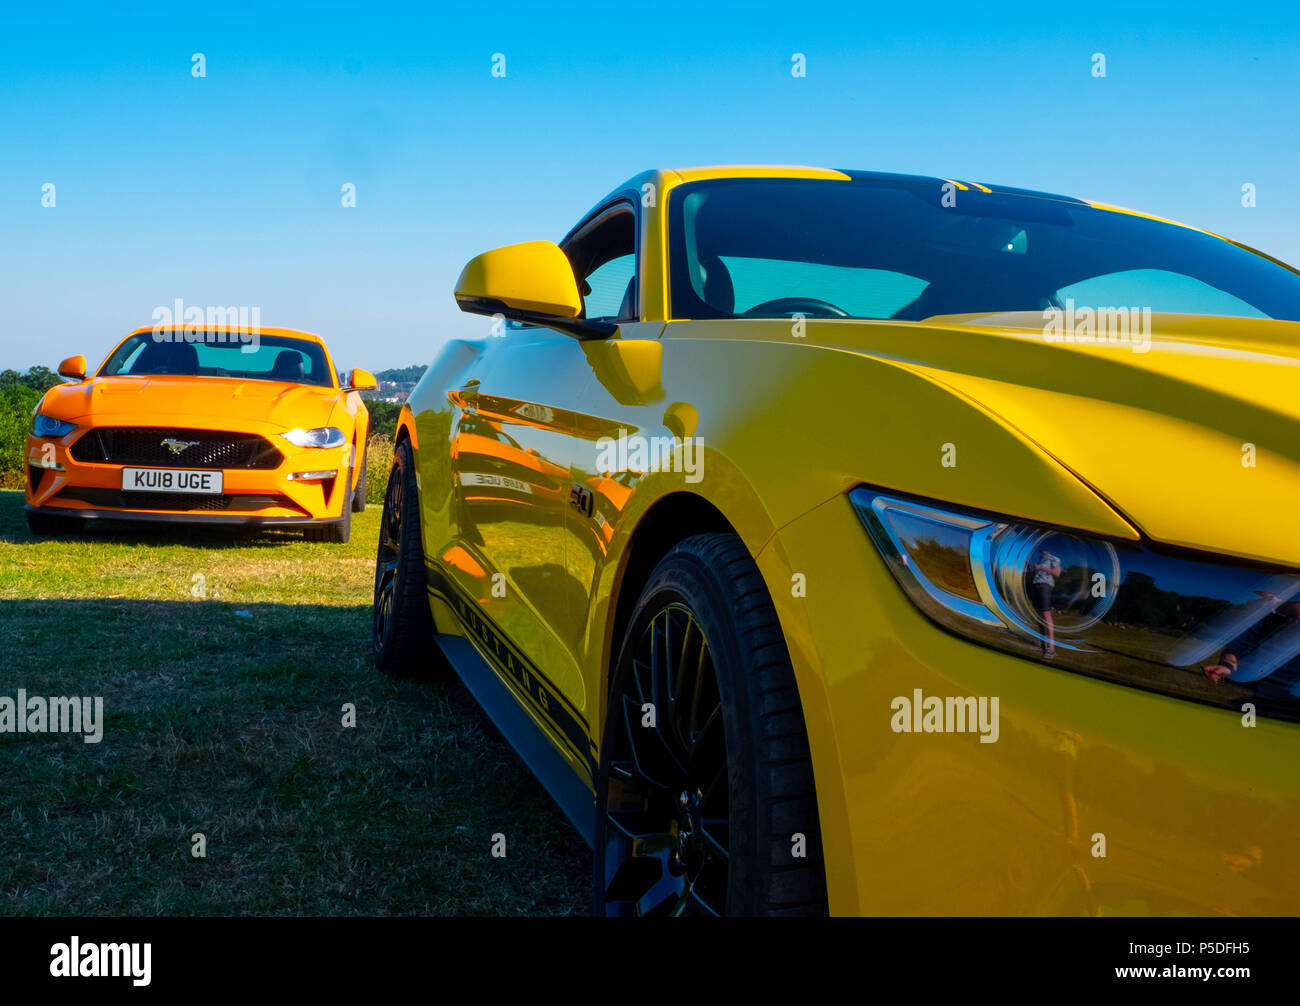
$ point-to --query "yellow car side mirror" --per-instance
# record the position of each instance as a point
(73, 367)
(362, 380)
(531, 282)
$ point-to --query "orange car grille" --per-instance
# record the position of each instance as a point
(188, 448)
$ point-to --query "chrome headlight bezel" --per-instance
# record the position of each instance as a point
(999, 551)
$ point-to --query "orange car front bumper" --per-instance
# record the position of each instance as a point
(81, 475)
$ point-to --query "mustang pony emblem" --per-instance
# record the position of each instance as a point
(176, 446)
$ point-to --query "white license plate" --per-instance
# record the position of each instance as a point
(170, 480)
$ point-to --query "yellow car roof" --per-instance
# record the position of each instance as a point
(668, 178)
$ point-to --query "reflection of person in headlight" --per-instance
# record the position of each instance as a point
(1046, 570)
(1267, 651)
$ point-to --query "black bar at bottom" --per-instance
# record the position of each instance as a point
(580, 957)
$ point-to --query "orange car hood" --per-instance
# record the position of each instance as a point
(179, 400)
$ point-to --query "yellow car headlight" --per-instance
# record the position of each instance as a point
(1207, 628)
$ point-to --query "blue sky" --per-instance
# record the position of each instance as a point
(226, 189)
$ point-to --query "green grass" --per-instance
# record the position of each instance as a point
(229, 724)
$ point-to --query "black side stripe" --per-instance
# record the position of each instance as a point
(518, 671)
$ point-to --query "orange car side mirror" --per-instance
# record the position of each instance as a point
(73, 367)
(361, 380)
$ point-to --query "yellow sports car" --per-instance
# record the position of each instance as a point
(864, 543)
(227, 426)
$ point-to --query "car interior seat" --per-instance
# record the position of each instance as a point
(288, 366)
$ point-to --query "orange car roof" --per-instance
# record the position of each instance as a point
(291, 333)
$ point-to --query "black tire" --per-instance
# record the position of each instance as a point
(401, 624)
(359, 494)
(45, 524)
(692, 819)
(336, 532)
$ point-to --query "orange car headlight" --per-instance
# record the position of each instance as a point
(321, 436)
(47, 426)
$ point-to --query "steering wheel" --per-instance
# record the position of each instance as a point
(797, 305)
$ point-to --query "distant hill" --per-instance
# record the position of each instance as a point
(385, 401)
(402, 375)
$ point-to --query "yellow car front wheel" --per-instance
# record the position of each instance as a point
(705, 798)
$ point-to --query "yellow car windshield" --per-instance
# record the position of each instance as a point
(910, 249)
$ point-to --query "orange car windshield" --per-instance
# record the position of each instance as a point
(218, 354)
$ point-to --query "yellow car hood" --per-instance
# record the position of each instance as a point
(178, 399)
(1196, 440)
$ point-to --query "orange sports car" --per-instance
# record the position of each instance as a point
(228, 426)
